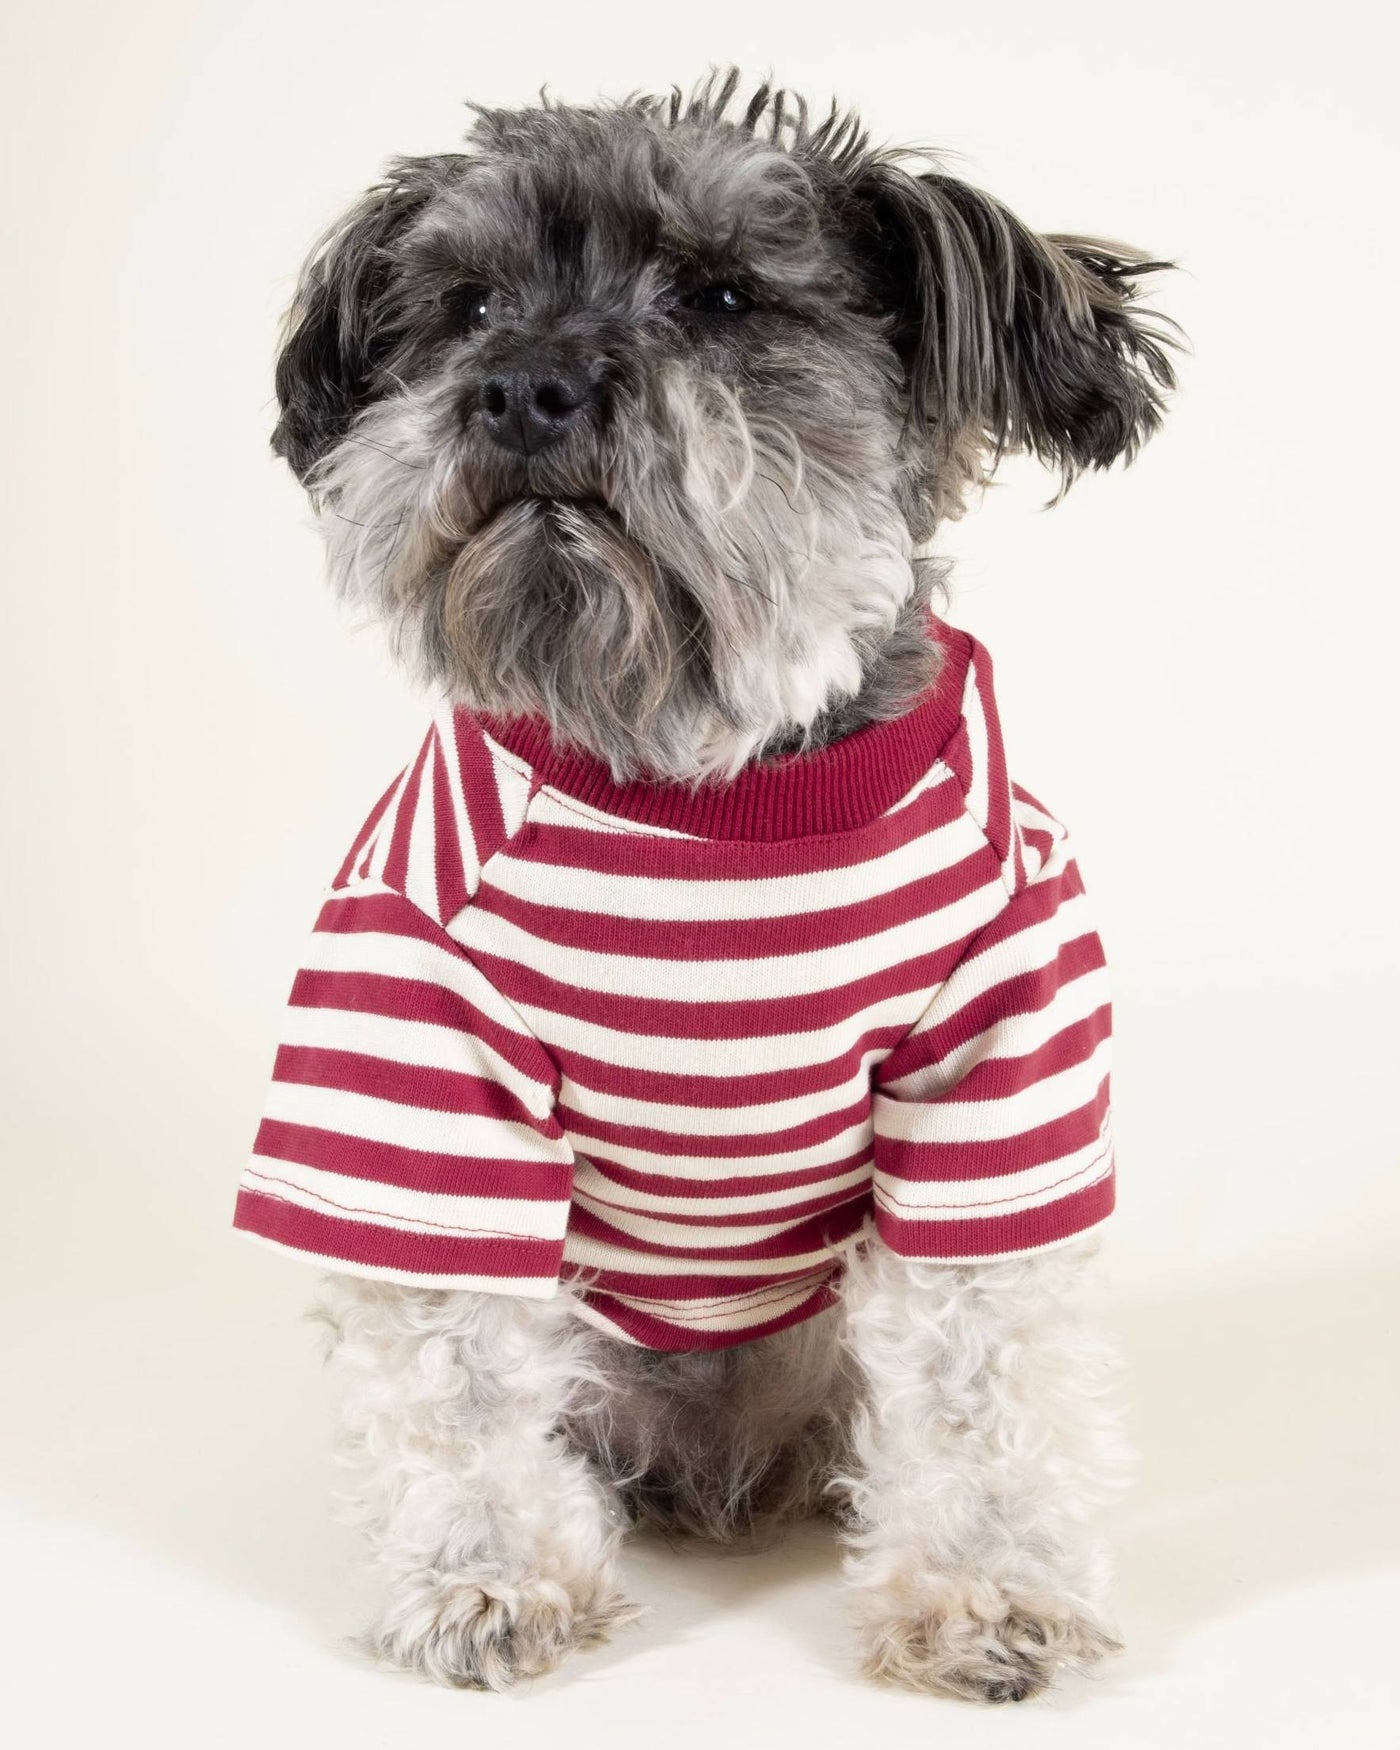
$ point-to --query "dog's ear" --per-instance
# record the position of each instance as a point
(1036, 343)
(341, 325)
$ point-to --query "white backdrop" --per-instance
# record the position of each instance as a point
(1195, 661)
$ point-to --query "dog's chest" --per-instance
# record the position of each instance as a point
(713, 1001)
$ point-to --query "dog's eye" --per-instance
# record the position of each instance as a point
(472, 305)
(721, 299)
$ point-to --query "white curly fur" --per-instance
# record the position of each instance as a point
(953, 1415)
(982, 1443)
(494, 1542)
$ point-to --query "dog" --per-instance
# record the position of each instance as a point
(696, 1085)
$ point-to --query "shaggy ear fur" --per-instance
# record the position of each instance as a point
(340, 327)
(1031, 342)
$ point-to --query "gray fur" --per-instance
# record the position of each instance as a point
(718, 558)
(725, 1445)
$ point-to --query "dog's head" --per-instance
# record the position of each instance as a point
(634, 415)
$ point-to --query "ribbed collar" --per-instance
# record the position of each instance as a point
(833, 789)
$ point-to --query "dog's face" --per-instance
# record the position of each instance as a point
(635, 415)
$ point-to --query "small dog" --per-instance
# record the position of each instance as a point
(696, 1083)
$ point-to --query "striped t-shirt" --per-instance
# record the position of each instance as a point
(683, 1046)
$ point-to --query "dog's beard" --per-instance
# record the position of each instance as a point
(703, 585)
(551, 607)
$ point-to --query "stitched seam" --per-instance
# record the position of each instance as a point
(686, 1311)
(938, 772)
(381, 1218)
(884, 1197)
(618, 823)
(781, 1220)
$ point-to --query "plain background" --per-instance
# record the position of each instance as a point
(1196, 660)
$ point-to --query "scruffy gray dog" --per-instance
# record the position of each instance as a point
(632, 418)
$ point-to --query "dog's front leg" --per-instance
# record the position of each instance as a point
(981, 1447)
(494, 1542)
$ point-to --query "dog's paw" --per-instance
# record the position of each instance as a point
(979, 1644)
(484, 1634)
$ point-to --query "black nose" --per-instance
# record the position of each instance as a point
(526, 411)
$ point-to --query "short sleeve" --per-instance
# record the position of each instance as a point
(992, 1114)
(409, 1129)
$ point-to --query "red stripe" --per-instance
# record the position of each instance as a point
(414, 1169)
(813, 1235)
(366, 833)
(1033, 905)
(754, 1297)
(1041, 843)
(1039, 840)
(452, 893)
(418, 1086)
(396, 864)
(794, 1212)
(352, 912)
(957, 756)
(738, 1185)
(718, 860)
(752, 1145)
(998, 1078)
(989, 1235)
(683, 1285)
(418, 999)
(657, 1333)
(673, 1087)
(362, 1242)
(1022, 794)
(1018, 853)
(405, 818)
(998, 787)
(1026, 994)
(761, 938)
(758, 1018)
(479, 789)
(991, 1158)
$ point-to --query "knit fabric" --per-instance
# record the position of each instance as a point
(685, 1046)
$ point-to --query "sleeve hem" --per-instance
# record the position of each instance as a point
(981, 1239)
(532, 1288)
(529, 1268)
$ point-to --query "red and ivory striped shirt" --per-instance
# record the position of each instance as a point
(684, 1046)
